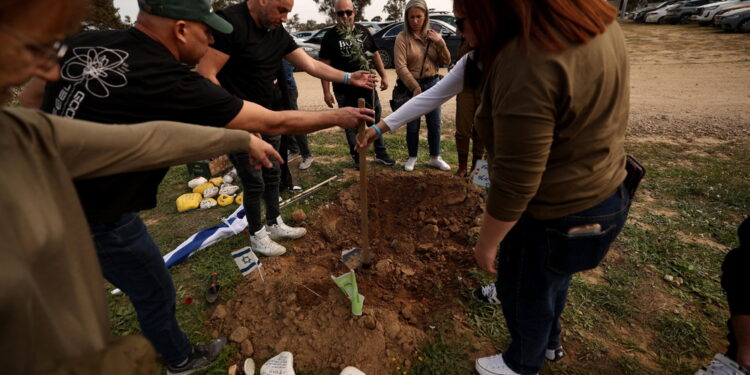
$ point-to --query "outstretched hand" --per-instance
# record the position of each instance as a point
(364, 79)
(364, 141)
(350, 117)
(261, 152)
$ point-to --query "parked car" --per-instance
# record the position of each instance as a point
(720, 14)
(444, 16)
(386, 38)
(311, 49)
(659, 15)
(684, 11)
(736, 20)
(303, 35)
(318, 36)
(372, 26)
(704, 15)
(640, 16)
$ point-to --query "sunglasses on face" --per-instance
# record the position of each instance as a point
(460, 23)
(50, 53)
(341, 13)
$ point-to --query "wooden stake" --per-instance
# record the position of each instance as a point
(366, 256)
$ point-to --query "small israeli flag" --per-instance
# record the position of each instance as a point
(480, 176)
(246, 260)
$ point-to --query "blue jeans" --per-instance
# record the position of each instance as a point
(537, 259)
(351, 134)
(131, 261)
(433, 126)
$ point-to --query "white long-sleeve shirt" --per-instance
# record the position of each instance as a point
(427, 101)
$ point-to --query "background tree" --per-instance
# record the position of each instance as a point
(293, 24)
(103, 15)
(394, 9)
(326, 7)
(221, 4)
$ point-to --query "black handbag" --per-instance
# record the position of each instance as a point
(401, 93)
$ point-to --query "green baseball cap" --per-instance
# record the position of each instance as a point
(191, 10)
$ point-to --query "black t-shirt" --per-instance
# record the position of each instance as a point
(125, 77)
(338, 51)
(255, 55)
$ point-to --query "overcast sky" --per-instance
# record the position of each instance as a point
(307, 9)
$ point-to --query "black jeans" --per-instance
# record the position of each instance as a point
(259, 183)
(131, 261)
(297, 143)
(351, 134)
(536, 262)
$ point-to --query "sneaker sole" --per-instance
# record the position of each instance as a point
(385, 162)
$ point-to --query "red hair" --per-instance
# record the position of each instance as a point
(550, 25)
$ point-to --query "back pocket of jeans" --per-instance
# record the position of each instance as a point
(568, 254)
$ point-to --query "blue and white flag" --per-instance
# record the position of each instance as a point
(246, 260)
(233, 225)
(480, 176)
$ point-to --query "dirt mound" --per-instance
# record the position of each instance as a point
(420, 224)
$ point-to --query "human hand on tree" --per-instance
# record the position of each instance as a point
(363, 79)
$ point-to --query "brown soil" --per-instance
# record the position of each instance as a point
(299, 309)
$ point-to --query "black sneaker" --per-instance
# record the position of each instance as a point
(385, 160)
(200, 358)
(487, 294)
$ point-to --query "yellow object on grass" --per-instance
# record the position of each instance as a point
(189, 201)
(239, 199)
(202, 187)
(225, 200)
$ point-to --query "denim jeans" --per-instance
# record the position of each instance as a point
(351, 134)
(433, 127)
(259, 183)
(537, 259)
(131, 261)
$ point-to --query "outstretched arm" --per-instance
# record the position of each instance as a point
(317, 69)
(255, 118)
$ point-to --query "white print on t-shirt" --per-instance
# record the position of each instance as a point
(345, 47)
(100, 68)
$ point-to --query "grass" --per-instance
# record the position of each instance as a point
(684, 220)
(623, 319)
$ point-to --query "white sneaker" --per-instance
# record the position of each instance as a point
(305, 163)
(261, 243)
(281, 231)
(351, 370)
(487, 294)
(721, 365)
(439, 163)
(493, 365)
(410, 163)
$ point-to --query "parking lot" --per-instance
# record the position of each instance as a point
(685, 79)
